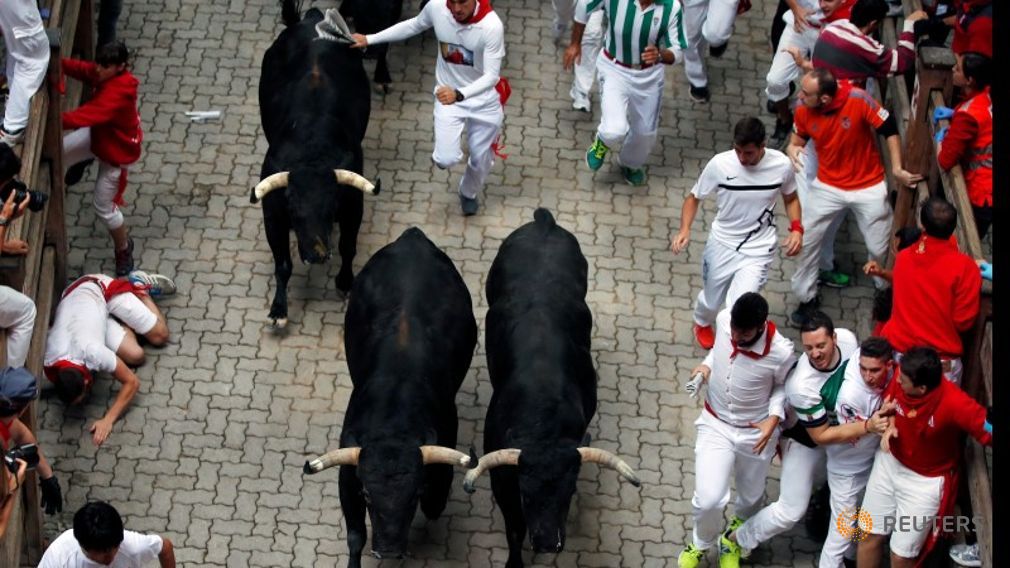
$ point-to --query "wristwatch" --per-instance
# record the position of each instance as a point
(459, 96)
(4, 222)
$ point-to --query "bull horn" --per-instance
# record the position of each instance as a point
(441, 454)
(603, 457)
(490, 461)
(272, 182)
(342, 456)
(347, 177)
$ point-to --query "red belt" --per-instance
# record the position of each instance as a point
(622, 64)
(719, 418)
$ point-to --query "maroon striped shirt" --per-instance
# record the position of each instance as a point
(853, 56)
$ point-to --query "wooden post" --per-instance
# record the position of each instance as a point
(934, 74)
(56, 229)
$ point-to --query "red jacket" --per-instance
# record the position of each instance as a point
(969, 141)
(936, 297)
(973, 27)
(111, 113)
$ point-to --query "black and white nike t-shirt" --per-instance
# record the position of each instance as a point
(745, 199)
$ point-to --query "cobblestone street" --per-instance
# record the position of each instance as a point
(210, 454)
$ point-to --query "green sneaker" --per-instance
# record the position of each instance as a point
(834, 279)
(596, 153)
(729, 552)
(690, 557)
(634, 176)
(734, 523)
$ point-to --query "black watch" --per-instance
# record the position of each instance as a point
(459, 96)
(4, 222)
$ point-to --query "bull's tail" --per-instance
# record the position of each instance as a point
(291, 11)
(543, 216)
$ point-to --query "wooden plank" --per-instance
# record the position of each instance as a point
(56, 226)
(933, 73)
(981, 499)
(10, 544)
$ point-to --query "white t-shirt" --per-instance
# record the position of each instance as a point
(843, 398)
(469, 55)
(79, 328)
(741, 389)
(805, 381)
(137, 550)
(745, 199)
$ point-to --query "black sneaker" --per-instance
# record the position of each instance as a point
(124, 260)
(717, 50)
(76, 172)
(781, 134)
(700, 94)
(802, 313)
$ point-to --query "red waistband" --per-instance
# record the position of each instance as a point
(622, 64)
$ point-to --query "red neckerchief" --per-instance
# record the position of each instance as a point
(769, 335)
(110, 290)
(5, 435)
(483, 8)
(52, 371)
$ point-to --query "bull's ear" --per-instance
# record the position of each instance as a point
(252, 196)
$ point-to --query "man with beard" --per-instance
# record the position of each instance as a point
(738, 429)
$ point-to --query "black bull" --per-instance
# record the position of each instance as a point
(538, 353)
(409, 336)
(314, 104)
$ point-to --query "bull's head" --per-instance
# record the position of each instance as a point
(547, 479)
(311, 204)
(392, 480)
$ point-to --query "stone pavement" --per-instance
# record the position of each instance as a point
(210, 454)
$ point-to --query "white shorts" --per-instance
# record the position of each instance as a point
(128, 309)
(902, 503)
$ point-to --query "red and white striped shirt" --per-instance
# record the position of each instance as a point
(853, 56)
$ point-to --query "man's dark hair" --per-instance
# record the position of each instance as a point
(883, 303)
(750, 311)
(826, 82)
(69, 385)
(749, 130)
(818, 320)
(907, 236)
(876, 348)
(923, 367)
(10, 164)
(112, 53)
(976, 66)
(98, 526)
(938, 218)
(865, 12)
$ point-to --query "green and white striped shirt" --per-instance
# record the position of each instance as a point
(631, 29)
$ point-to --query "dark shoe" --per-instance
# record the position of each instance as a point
(803, 312)
(781, 134)
(469, 205)
(76, 172)
(717, 50)
(700, 94)
(124, 260)
(634, 176)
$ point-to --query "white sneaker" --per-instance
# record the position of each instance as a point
(157, 284)
(580, 101)
(12, 139)
(965, 554)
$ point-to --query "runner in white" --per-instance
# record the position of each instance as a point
(93, 331)
(825, 349)
(738, 429)
(592, 43)
(843, 416)
(641, 34)
(746, 182)
(709, 23)
(471, 42)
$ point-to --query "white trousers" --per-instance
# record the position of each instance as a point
(630, 100)
(824, 204)
(784, 70)
(726, 275)
(800, 467)
(17, 317)
(846, 494)
(482, 118)
(76, 149)
(803, 181)
(706, 22)
(901, 503)
(27, 57)
(585, 69)
(721, 450)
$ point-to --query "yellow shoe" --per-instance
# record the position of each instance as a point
(729, 552)
(690, 557)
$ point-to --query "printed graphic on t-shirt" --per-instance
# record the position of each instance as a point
(455, 53)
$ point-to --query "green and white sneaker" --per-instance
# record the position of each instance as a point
(834, 279)
(596, 153)
(690, 557)
(634, 176)
(729, 552)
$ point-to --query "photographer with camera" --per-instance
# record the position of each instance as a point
(20, 451)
